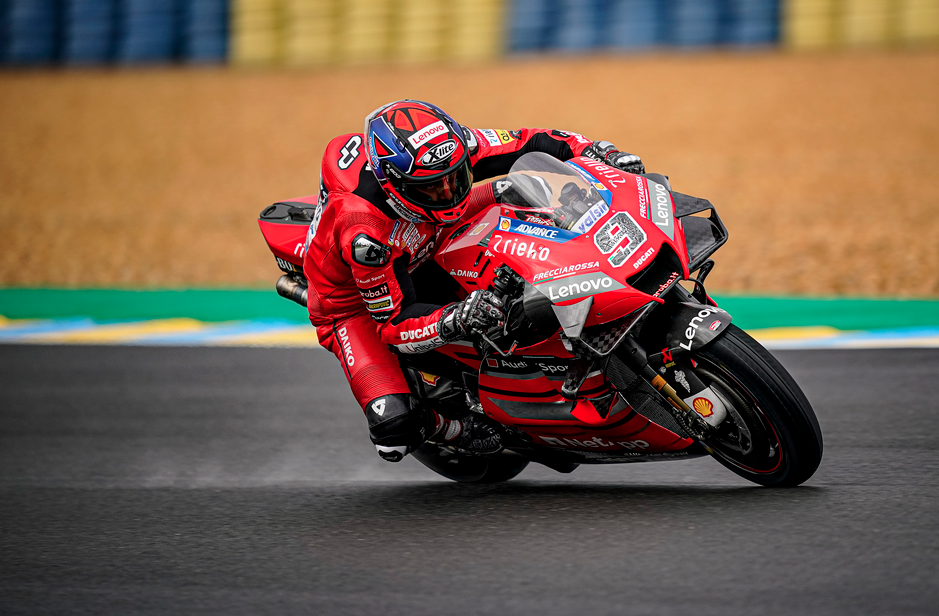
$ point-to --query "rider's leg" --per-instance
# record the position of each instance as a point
(398, 423)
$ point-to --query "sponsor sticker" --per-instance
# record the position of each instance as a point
(643, 258)
(703, 407)
(427, 133)
(693, 324)
(513, 246)
(550, 366)
(424, 251)
(535, 220)
(286, 266)
(641, 189)
(421, 347)
(552, 234)
(381, 304)
(393, 239)
(578, 286)
(364, 281)
(439, 153)
(612, 175)
(661, 206)
(591, 217)
(408, 235)
(512, 366)
(683, 380)
(491, 136)
(567, 270)
(420, 333)
(464, 273)
(504, 136)
(375, 292)
(378, 299)
(667, 284)
(430, 379)
(713, 326)
(479, 228)
(346, 346)
(414, 243)
(593, 443)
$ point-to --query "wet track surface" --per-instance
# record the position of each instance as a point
(138, 480)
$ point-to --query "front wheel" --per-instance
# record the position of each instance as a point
(470, 469)
(771, 435)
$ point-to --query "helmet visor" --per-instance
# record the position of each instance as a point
(442, 192)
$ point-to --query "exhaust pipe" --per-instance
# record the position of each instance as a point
(291, 289)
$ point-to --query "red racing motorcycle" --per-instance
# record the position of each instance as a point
(604, 356)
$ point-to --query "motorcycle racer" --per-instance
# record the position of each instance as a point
(385, 194)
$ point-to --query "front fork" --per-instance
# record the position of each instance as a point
(679, 374)
(699, 412)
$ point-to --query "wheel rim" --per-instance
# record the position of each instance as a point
(747, 439)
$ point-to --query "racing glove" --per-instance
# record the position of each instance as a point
(480, 311)
(606, 152)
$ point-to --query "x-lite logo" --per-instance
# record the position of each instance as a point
(379, 407)
(350, 151)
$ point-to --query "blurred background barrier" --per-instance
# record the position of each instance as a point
(316, 32)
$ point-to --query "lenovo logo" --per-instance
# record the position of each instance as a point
(427, 133)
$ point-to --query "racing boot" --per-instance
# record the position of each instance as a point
(473, 434)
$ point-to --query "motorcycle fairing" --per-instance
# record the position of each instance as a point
(524, 391)
(284, 226)
(581, 273)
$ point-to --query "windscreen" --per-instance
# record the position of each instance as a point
(557, 191)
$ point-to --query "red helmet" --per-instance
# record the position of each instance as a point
(419, 156)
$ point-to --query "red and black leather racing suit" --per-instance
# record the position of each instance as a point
(359, 255)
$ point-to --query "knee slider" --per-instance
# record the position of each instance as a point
(397, 425)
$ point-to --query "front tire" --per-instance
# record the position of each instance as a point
(470, 469)
(771, 435)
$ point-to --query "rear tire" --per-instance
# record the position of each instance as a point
(771, 435)
(470, 469)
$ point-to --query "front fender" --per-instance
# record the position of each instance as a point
(680, 328)
(693, 326)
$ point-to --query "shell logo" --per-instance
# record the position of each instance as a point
(703, 407)
(505, 224)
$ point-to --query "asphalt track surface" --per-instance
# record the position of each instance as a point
(241, 481)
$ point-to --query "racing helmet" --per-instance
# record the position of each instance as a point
(420, 157)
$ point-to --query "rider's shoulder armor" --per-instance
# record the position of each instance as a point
(369, 252)
(343, 161)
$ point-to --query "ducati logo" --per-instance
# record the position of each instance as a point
(378, 407)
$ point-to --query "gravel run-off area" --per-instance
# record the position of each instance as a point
(823, 166)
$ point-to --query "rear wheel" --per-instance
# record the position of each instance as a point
(771, 435)
(470, 469)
